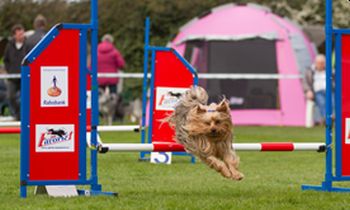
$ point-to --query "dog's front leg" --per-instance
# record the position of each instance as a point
(232, 163)
(218, 165)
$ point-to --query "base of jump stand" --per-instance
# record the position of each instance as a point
(96, 193)
(143, 157)
(326, 187)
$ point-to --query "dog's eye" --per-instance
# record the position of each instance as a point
(207, 123)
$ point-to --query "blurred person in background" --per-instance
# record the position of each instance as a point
(14, 53)
(3, 92)
(315, 84)
(39, 31)
(109, 60)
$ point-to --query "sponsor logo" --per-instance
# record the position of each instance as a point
(167, 98)
(52, 137)
(54, 91)
(54, 86)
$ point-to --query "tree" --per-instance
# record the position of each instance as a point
(124, 19)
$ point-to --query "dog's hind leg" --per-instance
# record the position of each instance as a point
(218, 165)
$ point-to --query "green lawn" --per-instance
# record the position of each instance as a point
(272, 180)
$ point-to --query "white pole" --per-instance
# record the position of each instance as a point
(129, 147)
(118, 128)
(282, 147)
(102, 128)
(201, 76)
(10, 124)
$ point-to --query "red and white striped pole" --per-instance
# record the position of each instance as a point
(262, 147)
(135, 128)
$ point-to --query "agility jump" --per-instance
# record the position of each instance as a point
(43, 121)
(100, 128)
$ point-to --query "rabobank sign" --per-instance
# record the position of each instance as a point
(54, 86)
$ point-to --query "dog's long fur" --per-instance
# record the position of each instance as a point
(206, 131)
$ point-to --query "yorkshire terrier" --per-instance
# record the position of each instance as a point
(206, 131)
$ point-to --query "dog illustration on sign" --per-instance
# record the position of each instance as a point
(170, 98)
(59, 132)
(54, 91)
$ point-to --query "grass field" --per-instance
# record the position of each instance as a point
(272, 179)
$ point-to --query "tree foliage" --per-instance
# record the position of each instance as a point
(124, 19)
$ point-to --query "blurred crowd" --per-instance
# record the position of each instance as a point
(19, 45)
(110, 60)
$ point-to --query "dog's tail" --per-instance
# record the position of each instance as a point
(192, 97)
(195, 95)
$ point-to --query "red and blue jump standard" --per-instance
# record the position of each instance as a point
(53, 109)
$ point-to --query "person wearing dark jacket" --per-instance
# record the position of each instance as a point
(15, 51)
(39, 32)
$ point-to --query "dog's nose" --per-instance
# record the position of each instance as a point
(213, 130)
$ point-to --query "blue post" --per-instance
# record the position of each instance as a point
(145, 85)
(329, 35)
(82, 105)
(24, 156)
(150, 126)
(94, 94)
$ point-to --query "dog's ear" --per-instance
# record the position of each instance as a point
(223, 106)
(200, 109)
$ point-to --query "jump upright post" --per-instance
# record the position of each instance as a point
(53, 109)
(170, 76)
(341, 148)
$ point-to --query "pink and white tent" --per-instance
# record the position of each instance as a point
(249, 39)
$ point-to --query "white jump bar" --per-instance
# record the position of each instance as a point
(10, 124)
(107, 128)
(263, 147)
(102, 128)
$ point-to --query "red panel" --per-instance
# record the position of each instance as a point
(63, 51)
(10, 130)
(169, 72)
(345, 103)
(277, 146)
(166, 147)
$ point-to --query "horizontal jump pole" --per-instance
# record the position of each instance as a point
(200, 76)
(101, 128)
(10, 124)
(173, 147)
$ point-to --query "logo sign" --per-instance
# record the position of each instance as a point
(54, 138)
(161, 157)
(168, 97)
(347, 130)
(54, 86)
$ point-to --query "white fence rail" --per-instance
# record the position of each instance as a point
(200, 76)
